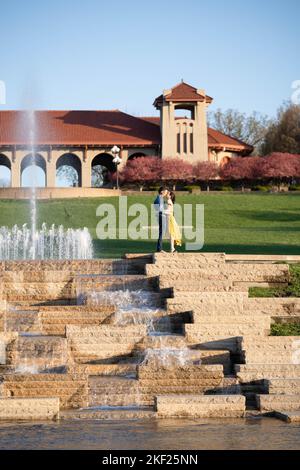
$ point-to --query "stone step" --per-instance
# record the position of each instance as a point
(200, 406)
(71, 389)
(154, 299)
(248, 272)
(114, 283)
(97, 266)
(109, 413)
(253, 372)
(290, 386)
(270, 350)
(105, 369)
(191, 370)
(17, 409)
(270, 403)
(104, 341)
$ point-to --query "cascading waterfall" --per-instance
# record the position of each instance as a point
(54, 243)
(25, 242)
(132, 307)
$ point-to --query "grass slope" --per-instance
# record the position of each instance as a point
(234, 223)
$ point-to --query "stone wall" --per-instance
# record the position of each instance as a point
(16, 409)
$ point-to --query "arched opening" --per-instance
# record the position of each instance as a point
(102, 169)
(5, 171)
(136, 155)
(68, 171)
(33, 171)
(184, 111)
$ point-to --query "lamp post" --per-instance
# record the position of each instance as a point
(116, 160)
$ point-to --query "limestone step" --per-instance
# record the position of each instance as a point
(113, 391)
(110, 413)
(200, 406)
(40, 353)
(253, 372)
(110, 282)
(290, 386)
(153, 300)
(180, 371)
(16, 409)
(270, 350)
(248, 272)
(104, 369)
(71, 389)
(104, 341)
(268, 403)
(97, 266)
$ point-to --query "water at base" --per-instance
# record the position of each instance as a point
(174, 434)
(20, 243)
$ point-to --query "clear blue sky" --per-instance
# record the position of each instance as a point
(94, 54)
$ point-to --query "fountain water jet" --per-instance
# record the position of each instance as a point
(30, 243)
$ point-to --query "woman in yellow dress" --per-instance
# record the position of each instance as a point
(173, 229)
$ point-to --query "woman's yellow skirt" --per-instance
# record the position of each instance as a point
(174, 231)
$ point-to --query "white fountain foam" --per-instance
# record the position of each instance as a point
(167, 357)
(54, 243)
(132, 307)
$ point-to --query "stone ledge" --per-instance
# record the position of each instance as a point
(274, 402)
(29, 408)
(200, 406)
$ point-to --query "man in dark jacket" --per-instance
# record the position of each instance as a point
(159, 207)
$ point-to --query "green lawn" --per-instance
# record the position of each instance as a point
(234, 223)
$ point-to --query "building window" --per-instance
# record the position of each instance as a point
(178, 142)
(191, 143)
(185, 142)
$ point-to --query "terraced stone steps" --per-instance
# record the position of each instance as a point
(71, 389)
(104, 342)
(39, 353)
(114, 391)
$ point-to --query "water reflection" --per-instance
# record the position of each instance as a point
(252, 433)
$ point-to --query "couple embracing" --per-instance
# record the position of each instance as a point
(164, 205)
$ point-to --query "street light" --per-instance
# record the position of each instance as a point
(116, 160)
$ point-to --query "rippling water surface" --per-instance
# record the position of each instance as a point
(252, 433)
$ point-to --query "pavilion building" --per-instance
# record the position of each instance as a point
(84, 139)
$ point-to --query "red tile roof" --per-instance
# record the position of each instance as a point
(94, 128)
(78, 127)
(182, 92)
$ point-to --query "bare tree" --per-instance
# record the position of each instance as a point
(250, 129)
(283, 134)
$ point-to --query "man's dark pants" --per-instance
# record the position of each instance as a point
(160, 232)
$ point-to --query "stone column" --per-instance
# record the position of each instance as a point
(86, 173)
(15, 173)
(124, 157)
(50, 171)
